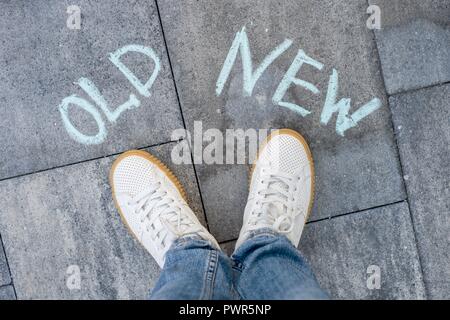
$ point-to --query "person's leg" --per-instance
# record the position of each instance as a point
(268, 265)
(195, 270)
(151, 203)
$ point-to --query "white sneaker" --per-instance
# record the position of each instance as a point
(281, 187)
(152, 203)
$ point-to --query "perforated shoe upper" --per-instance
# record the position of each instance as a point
(281, 187)
(151, 203)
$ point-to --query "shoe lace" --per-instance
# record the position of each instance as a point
(155, 203)
(272, 207)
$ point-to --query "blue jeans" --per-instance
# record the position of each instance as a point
(266, 266)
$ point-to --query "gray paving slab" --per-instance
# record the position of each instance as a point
(41, 61)
(62, 223)
(7, 293)
(4, 272)
(341, 250)
(414, 43)
(423, 132)
(228, 247)
(358, 171)
(395, 13)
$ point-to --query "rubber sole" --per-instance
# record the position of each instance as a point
(302, 140)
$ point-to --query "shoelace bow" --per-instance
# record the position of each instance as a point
(272, 208)
(153, 204)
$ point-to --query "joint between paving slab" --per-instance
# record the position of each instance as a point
(9, 269)
(12, 286)
(340, 215)
(439, 84)
(83, 161)
(337, 216)
(181, 111)
(419, 254)
(356, 211)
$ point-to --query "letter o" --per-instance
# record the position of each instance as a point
(74, 132)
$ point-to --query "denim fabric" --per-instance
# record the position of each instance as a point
(194, 270)
(266, 266)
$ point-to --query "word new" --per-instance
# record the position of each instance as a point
(94, 93)
(342, 107)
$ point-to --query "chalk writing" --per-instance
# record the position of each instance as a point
(250, 77)
(143, 89)
(89, 87)
(344, 120)
(88, 107)
(94, 93)
(240, 44)
(289, 78)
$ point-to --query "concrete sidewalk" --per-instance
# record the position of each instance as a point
(382, 188)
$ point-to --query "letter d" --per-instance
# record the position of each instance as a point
(142, 88)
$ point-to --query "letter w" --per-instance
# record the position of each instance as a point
(344, 120)
(250, 77)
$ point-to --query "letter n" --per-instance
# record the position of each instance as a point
(240, 43)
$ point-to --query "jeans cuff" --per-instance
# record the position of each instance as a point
(267, 232)
(190, 239)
